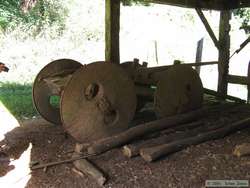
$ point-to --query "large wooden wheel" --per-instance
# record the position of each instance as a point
(179, 89)
(98, 101)
(42, 93)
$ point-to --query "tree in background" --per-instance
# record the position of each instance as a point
(31, 13)
(244, 14)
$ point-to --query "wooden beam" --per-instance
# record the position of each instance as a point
(207, 26)
(248, 86)
(224, 52)
(234, 79)
(199, 54)
(229, 97)
(205, 4)
(112, 30)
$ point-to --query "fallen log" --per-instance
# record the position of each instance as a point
(125, 137)
(133, 149)
(88, 168)
(152, 153)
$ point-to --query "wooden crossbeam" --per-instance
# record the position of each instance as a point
(207, 26)
(205, 4)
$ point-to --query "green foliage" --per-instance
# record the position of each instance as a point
(44, 13)
(244, 14)
(138, 2)
(17, 98)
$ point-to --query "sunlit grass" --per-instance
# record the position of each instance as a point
(17, 98)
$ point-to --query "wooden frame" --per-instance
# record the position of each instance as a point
(112, 26)
(206, 4)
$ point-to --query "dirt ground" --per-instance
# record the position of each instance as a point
(185, 169)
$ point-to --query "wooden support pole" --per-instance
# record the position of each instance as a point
(207, 26)
(224, 52)
(248, 85)
(199, 54)
(112, 30)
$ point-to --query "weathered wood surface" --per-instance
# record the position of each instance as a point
(133, 149)
(207, 26)
(152, 153)
(204, 4)
(224, 52)
(86, 167)
(198, 57)
(234, 79)
(112, 30)
(248, 86)
(125, 137)
(242, 150)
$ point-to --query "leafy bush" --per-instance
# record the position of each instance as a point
(244, 14)
(131, 2)
(43, 13)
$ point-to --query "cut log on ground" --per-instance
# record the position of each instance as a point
(125, 137)
(242, 150)
(133, 149)
(86, 167)
(152, 153)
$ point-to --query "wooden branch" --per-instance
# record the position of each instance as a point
(152, 153)
(60, 162)
(229, 97)
(133, 149)
(140, 130)
(88, 168)
(207, 26)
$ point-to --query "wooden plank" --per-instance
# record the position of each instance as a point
(224, 52)
(241, 80)
(112, 30)
(207, 26)
(199, 54)
(205, 4)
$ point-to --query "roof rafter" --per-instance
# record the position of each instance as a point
(205, 4)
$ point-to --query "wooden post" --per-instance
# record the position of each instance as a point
(248, 85)
(224, 52)
(199, 54)
(112, 30)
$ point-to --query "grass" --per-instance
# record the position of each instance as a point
(17, 98)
